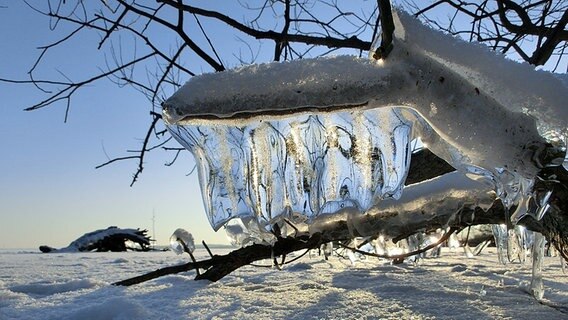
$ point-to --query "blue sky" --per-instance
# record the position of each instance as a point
(50, 192)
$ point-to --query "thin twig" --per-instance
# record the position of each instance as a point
(207, 248)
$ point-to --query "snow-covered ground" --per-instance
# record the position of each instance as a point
(77, 286)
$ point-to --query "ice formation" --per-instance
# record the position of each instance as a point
(537, 286)
(182, 241)
(311, 144)
(306, 165)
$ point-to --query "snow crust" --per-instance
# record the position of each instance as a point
(487, 116)
(39, 289)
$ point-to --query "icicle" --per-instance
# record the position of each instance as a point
(516, 243)
(328, 250)
(544, 206)
(351, 254)
(351, 257)
(537, 286)
(380, 245)
(513, 247)
(500, 234)
(414, 243)
(522, 242)
(433, 238)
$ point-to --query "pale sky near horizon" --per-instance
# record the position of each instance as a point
(50, 192)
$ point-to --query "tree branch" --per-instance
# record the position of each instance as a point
(553, 38)
(187, 40)
(387, 30)
(352, 42)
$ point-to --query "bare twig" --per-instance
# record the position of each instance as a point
(142, 152)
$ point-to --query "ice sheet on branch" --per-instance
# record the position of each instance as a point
(439, 199)
(286, 143)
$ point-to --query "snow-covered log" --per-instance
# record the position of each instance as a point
(110, 239)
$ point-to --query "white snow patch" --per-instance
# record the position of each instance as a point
(112, 309)
(517, 86)
(49, 288)
(120, 260)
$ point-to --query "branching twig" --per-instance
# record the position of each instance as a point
(352, 42)
(536, 30)
(207, 248)
(142, 153)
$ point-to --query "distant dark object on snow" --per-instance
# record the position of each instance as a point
(111, 239)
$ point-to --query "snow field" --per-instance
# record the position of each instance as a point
(77, 286)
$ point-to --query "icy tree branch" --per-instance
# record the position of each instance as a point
(554, 225)
(506, 24)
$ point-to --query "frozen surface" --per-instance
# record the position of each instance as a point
(301, 140)
(76, 286)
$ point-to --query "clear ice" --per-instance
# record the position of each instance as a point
(500, 234)
(537, 286)
(264, 170)
(181, 240)
(512, 244)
